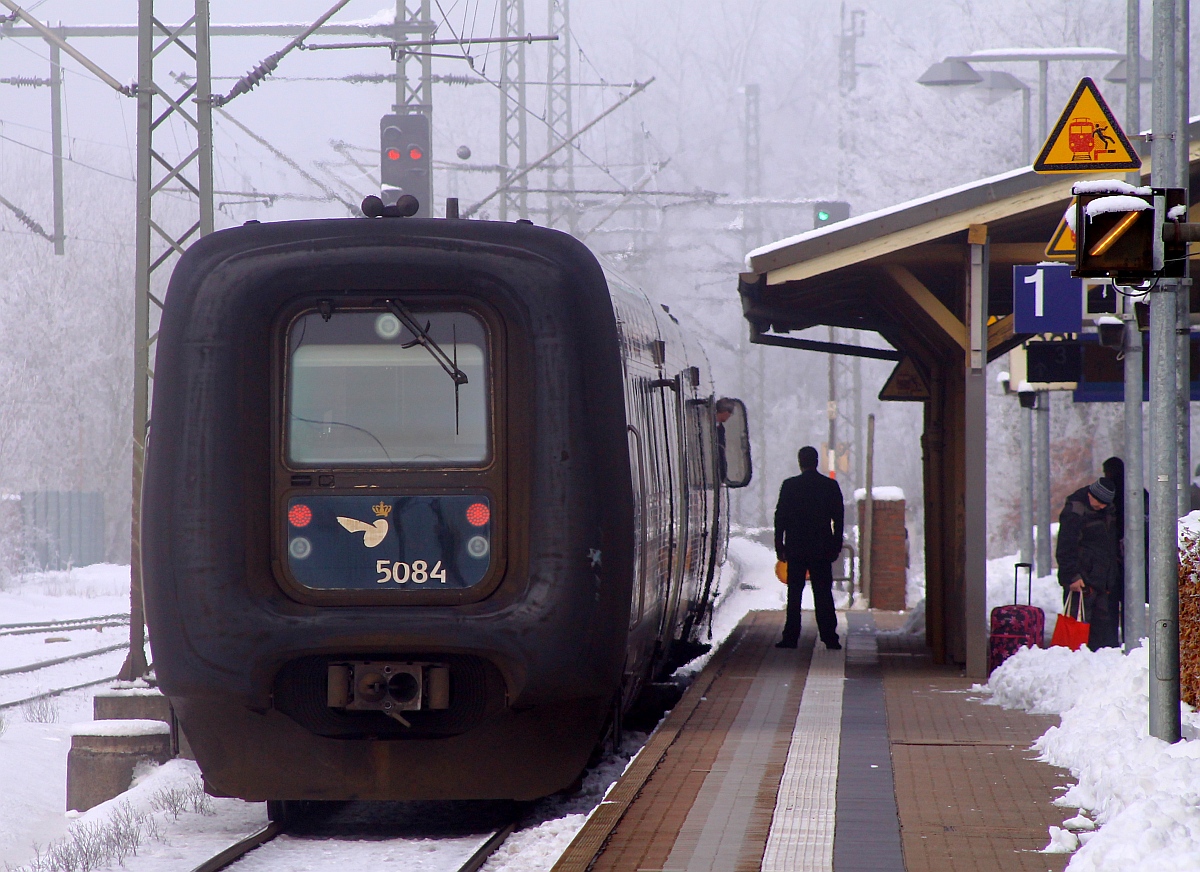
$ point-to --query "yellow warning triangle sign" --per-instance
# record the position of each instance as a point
(907, 382)
(1087, 138)
(1062, 243)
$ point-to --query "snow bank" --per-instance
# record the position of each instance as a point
(1189, 525)
(1144, 793)
(885, 494)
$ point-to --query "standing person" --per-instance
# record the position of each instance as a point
(1089, 558)
(808, 536)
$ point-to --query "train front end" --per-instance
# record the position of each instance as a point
(387, 515)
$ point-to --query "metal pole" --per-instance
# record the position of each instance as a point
(135, 663)
(1042, 482)
(1026, 145)
(831, 411)
(1183, 373)
(1026, 448)
(1043, 110)
(56, 145)
(1133, 77)
(975, 460)
(1135, 519)
(204, 128)
(868, 536)
(1164, 465)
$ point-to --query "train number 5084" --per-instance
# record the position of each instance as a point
(402, 573)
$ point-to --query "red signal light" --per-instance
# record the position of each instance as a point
(393, 154)
(300, 515)
(478, 514)
(415, 153)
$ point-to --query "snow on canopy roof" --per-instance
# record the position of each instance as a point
(910, 214)
(998, 55)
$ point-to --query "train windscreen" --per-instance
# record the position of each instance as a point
(364, 389)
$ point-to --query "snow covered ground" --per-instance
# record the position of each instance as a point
(177, 826)
(1139, 798)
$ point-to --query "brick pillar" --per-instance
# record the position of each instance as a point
(889, 552)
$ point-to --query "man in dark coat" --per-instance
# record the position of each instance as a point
(1089, 559)
(808, 536)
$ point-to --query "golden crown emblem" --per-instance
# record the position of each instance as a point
(381, 509)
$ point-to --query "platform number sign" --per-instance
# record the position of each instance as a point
(1046, 299)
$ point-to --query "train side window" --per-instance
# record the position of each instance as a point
(733, 442)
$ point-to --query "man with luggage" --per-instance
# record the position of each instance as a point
(808, 536)
(1089, 559)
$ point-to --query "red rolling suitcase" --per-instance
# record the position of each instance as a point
(1015, 627)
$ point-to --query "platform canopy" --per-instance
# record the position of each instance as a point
(902, 272)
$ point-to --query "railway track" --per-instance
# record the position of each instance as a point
(57, 673)
(321, 847)
(97, 622)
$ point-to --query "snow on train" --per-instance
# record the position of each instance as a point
(427, 503)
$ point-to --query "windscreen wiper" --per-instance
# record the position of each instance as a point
(424, 339)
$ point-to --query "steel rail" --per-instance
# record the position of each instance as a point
(94, 625)
(124, 615)
(240, 848)
(476, 860)
(260, 837)
(46, 664)
(56, 692)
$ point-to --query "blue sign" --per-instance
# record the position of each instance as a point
(1046, 299)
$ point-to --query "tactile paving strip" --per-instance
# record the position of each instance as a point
(802, 829)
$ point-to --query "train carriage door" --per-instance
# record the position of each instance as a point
(675, 410)
(637, 463)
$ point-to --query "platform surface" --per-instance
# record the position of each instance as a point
(870, 758)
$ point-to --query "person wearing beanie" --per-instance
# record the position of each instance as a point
(1089, 559)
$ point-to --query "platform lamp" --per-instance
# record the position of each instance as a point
(993, 84)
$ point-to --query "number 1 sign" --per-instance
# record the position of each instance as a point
(1046, 299)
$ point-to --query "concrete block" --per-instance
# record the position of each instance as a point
(148, 703)
(138, 703)
(104, 753)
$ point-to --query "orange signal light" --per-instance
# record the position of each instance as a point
(393, 154)
(415, 153)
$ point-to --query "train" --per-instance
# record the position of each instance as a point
(427, 504)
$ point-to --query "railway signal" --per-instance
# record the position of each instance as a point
(830, 212)
(404, 160)
(1130, 234)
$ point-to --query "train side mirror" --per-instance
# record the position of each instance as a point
(733, 442)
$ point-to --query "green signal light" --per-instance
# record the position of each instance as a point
(822, 216)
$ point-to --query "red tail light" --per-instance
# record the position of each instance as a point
(478, 514)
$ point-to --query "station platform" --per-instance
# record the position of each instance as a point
(868, 758)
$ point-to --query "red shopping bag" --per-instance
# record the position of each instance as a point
(1071, 632)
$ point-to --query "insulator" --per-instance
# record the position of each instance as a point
(25, 82)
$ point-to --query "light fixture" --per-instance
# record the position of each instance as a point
(950, 73)
(995, 85)
(1117, 74)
